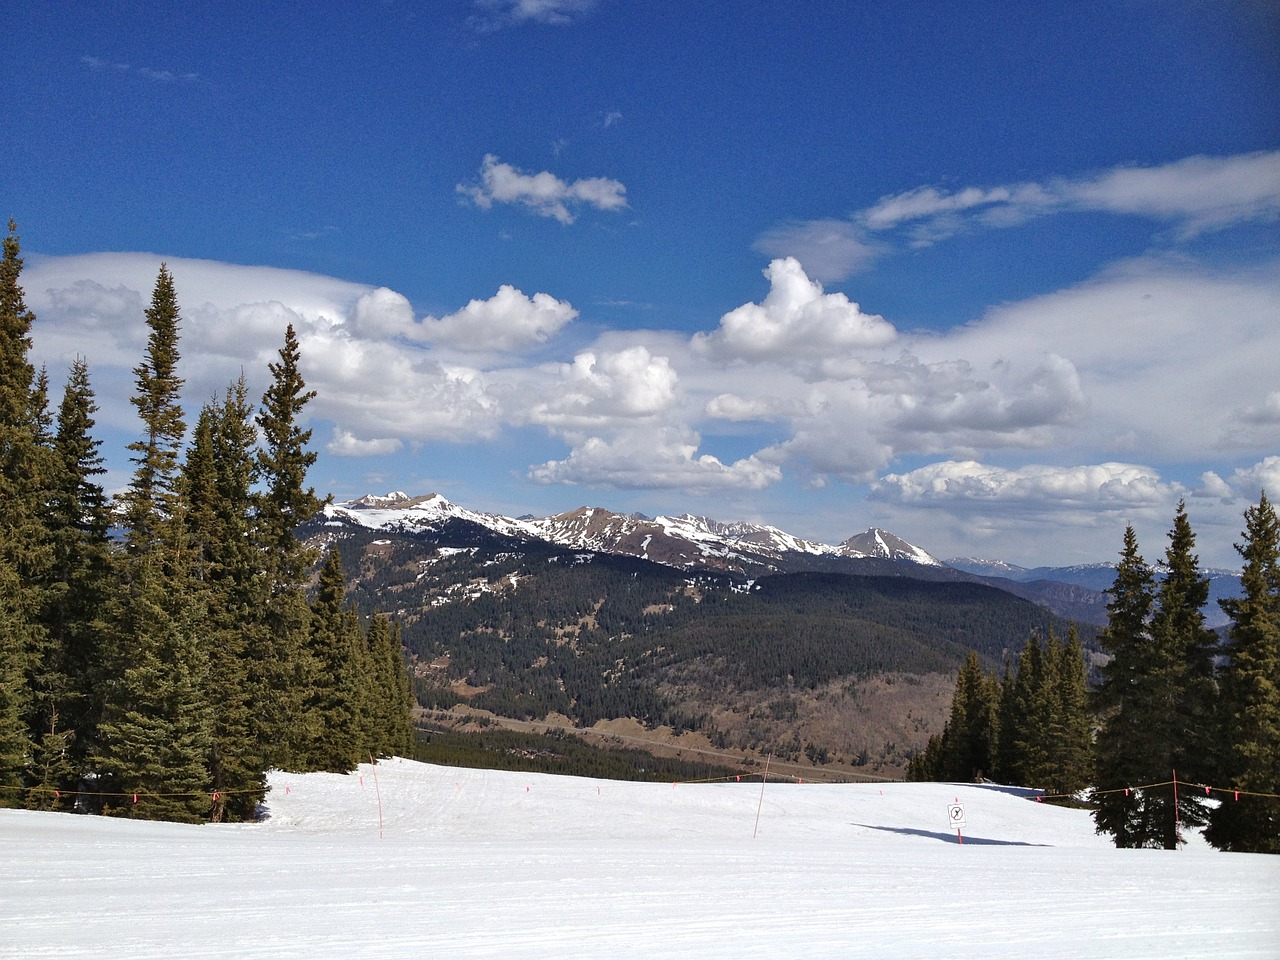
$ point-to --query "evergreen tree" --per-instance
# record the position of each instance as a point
(1250, 701)
(1024, 719)
(1189, 648)
(82, 579)
(284, 669)
(337, 703)
(393, 698)
(970, 738)
(283, 463)
(217, 487)
(25, 555)
(1157, 690)
(1070, 725)
(1122, 747)
(151, 501)
(155, 732)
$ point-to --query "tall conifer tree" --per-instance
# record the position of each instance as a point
(284, 668)
(1250, 701)
(25, 554)
(155, 733)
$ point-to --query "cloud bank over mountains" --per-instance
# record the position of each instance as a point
(1110, 398)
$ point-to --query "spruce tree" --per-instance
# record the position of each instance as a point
(25, 554)
(1123, 746)
(284, 668)
(155, 732)
(1250, 696)
(971, 734)
(337, 703)
(1158, 692)
(152, 499)
(217, 491)
(393, 698)
(1070, 725)
(82, 578)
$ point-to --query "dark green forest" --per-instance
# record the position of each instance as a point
(160, 653)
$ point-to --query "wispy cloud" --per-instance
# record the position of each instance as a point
(496, 14)
(544, 193)
(1192, 196)
(97, 64)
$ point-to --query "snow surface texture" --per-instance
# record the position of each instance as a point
(428, 861)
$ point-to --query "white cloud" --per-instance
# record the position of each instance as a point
(830, 250)
(1154, 361)
(796, 319)
(507, 321)
(498, 13)
(544, 193)
(1108, 486)
(600, 387)
(345, 444)
(653, 458)
(1194, 195)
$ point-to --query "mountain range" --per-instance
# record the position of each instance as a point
(696, 543)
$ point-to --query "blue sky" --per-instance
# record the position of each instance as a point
(1000, 278)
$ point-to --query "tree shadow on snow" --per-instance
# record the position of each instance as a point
(946, 837)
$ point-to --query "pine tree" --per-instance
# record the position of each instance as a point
(1070, 726)
(971, 734)
(25, 555)
(82, 579)
(217, 491)
(284, 668)
(1158, 690)
(1190, 648)
(393, 695)
(1122, 747)
(1024, 719)
(338, 699)
(155, 732)
(1250, 700)
(151, 501)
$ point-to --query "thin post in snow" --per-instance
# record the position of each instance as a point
(763, 781)
(377, 792)
(1177, 815)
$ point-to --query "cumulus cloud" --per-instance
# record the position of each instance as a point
(598, 387)
(796, 319)
(1152, 361)
(544, 193)
(507, 322)
(346, 444)
(654, 458)
(1103, 485)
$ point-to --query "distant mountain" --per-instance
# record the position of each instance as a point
(1090, 581)
(686, 542)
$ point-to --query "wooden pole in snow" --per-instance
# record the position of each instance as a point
(767, 758)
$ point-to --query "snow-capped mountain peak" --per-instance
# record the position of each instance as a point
(685, 541)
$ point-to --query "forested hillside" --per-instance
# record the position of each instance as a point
(525, 629)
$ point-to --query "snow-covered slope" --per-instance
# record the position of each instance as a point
(413, 860)
(684, 541)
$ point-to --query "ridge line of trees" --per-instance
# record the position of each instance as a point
(162, 674)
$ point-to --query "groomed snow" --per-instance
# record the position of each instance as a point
(475, 863)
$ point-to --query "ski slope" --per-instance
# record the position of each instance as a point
(419, 861)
